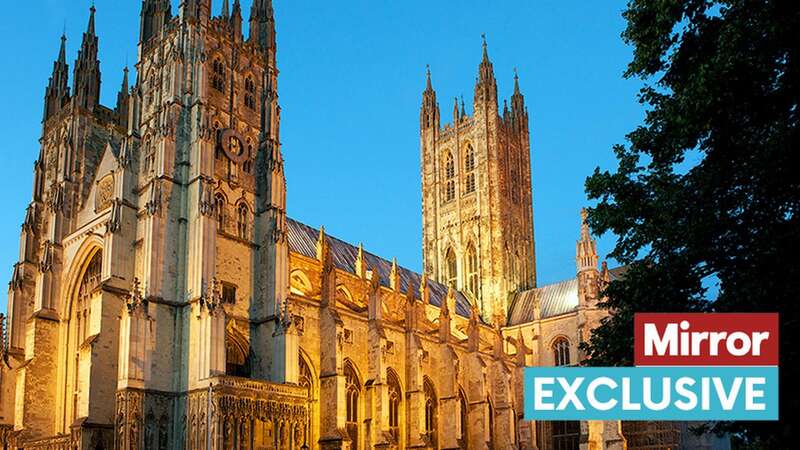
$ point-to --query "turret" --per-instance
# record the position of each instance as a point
(57, 92)
(226, 10)
(86, 83)
(586, 248)
(236, 20)
(429, 113)
(519, 112)
(486, 85)
(586, 261)
(123, 101)
(262, 27)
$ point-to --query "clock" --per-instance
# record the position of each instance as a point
(233, 145)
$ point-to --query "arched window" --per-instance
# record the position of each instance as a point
(352, 394)
(299, 283)
(561, 352)
(451, 267)
(450, 178)
(79, 327)
(243, 219)
(469, 169)
(237, 351)
(463, 419)
(219, 210)
(472, 271)
(250, 93)
(431, 412)
(395, 399)
(218, 75)
(247, 166)
(149, 157)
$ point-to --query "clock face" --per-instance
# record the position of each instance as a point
(233, 145)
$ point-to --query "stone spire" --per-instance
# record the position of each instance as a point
(86, 83)
(428, 84)
(123, 99)
(57, 92)
(236, 20)
(429, 113)
(586, 262)
(586, 248)
(394, 276)
(322, 242)
(226, 10)
(518, 109)
(486, 86)
(262, 26)
(90, 28)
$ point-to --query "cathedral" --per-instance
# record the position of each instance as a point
(164, 300)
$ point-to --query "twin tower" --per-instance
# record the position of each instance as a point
(477, 209)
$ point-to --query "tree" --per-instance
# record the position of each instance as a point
(705, 200)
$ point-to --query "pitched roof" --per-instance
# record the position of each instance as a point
(303, 240)
(555, 299)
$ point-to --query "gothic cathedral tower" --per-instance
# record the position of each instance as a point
(154, 255)
(477, 207)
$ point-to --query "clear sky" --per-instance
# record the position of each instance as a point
(352, 74)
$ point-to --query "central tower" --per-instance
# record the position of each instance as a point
(477, 210)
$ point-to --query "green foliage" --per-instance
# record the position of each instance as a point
(707, 190)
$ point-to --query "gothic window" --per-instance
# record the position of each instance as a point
(250, 93)
(299, 283)
(352, 394)
(450, 178)
(218, 75)
(651, 435)
(151, 86)
(80, 317)
(431, 412)
(237, 351)
(469, 169)
(395, 398)
(561, 352)
(463, 419)
(243, 219)
(149, 157)
(218, 152)
(452, 268)
(219, 209)
(247, 166)
(472, 271)
(565, 434)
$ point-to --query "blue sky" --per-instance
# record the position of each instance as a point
(351, 79)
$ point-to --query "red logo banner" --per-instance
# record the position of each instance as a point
(700, 339)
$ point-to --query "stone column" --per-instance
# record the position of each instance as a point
(378, 392)
(331, 379)
(449, 417)
(476, 374)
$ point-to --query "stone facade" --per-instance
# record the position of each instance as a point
(163, 300)
(477, 209)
